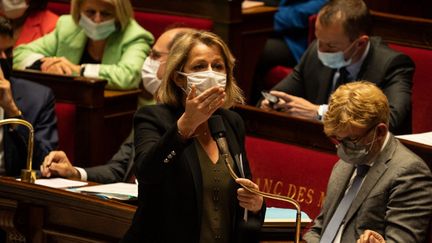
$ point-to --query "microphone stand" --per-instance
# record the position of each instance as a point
(227, 158)
(27, 175)
(218, 131)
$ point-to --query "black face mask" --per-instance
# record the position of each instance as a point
(6, 66)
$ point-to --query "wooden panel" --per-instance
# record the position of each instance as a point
(398, 29)
(103, 117)
(415, 8)
(41, 214)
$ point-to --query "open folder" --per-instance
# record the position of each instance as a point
(281, 216)
(119, 191)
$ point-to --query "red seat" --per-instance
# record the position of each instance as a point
(276, 74)
(153, 22)
(59, 8)
(157, 23)
(66, 114)
(290, 170)
(422, 85)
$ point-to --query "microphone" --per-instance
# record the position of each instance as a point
(27, 174)
(218, 132)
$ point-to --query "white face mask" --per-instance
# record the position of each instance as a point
(13, 9)
(97, 31)
(204, 80)
(333, 60)
(355, 153)
(149, 75)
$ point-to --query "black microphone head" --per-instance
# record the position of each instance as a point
(216, 126)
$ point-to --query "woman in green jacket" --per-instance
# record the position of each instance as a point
(99, 39)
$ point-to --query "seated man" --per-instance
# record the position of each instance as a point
(119, 168)
(344, 52)
(24, 100)
(379, 189)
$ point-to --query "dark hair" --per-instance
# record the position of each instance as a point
(354, 14)
(6, 27)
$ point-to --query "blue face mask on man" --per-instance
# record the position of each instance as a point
(334, 60)
(97, 31)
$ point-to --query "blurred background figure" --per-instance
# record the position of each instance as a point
(344, 52)
(24, 100)
(29, 18)
(154, 65)
(186, 193)
(99, 39)
(289, 40)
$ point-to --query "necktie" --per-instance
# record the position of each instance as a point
(343, 78)
(336, 220)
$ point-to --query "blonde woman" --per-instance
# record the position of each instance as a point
(185, 191)
(99, 39)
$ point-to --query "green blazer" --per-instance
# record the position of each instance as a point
(123, 57)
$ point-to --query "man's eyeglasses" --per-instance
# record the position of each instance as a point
(352, 143)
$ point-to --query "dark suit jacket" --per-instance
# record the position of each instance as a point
(395, 198)
(36, 103)
(118, 168)
(390, 70)
(170, 183)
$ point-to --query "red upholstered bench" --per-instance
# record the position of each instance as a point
(59, 8)
(66, 114)
(422, 86)
(290, 170)
(154, 22)
(157, 23)
(276, 74)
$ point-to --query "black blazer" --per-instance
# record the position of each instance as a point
(390, 70)
(170, 183)
(118, 168)
(36, 103)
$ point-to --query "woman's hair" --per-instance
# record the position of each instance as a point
(358, 104)
(123, 10)
(170, 93)
(353, 14)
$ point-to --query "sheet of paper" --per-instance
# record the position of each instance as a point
(423, 138)
(251, 4)
(284, 215)
(120, 190)
(60, 183)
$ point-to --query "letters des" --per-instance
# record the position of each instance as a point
(300, 193)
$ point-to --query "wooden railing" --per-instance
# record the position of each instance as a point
(103, 117)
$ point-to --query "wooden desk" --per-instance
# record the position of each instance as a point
(281, 127)
(41, 214)
(103, 117)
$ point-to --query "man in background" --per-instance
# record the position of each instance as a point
(344, 52)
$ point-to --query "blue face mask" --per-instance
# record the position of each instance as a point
(333, 60)
(97, 31)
